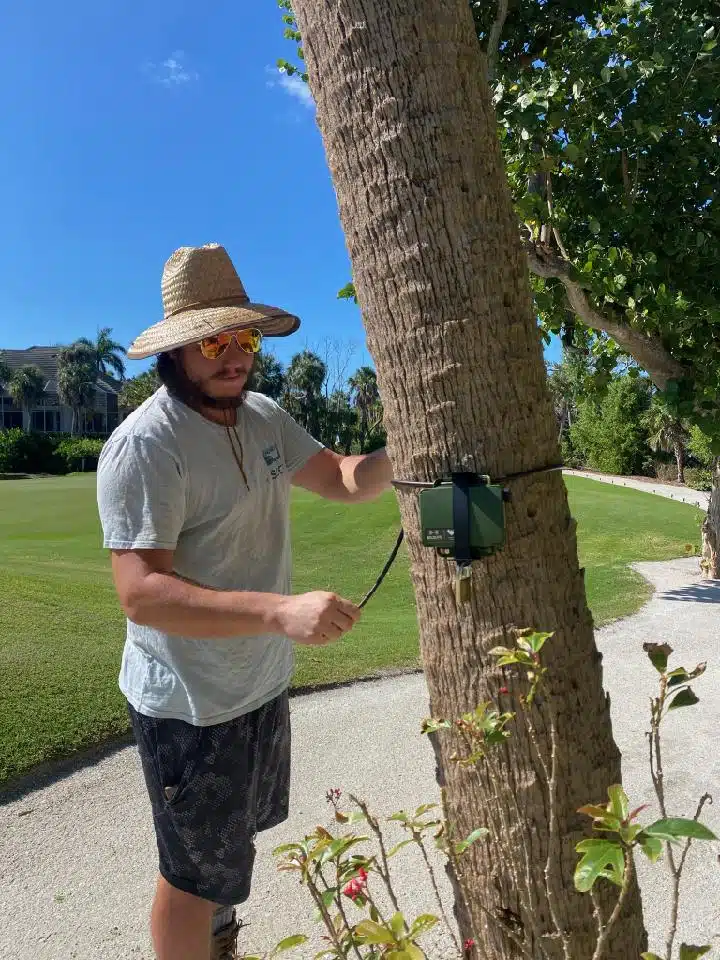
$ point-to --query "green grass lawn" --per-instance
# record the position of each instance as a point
(61, 631)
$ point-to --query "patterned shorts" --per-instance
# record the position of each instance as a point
(212, 789)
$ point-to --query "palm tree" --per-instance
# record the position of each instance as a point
(107, 352)
(667, 433)
(5, 374)
(268, 376)
(365, 396)
(303, 389)
(77, 379)
(442, 279)
(26, 386)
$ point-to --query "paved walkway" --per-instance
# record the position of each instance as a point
(77, 857)
(674, 491)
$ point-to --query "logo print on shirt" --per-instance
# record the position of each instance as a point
(271, 455)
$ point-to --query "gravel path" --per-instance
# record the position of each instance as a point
(77, 858)
(674, 491)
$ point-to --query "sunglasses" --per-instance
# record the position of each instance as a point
(249, 341)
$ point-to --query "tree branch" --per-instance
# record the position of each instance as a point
(646, 350)
(494, 39)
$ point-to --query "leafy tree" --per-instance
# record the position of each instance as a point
(340, 422)
(609, 125)
(667, 433)
(268, 376)
(138, 389)
(108, 352)
(26, 386)
(366, 399)
(303, 397)
(610, 433)
(700, 447)
(77, 367)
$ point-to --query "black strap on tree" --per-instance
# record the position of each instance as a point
(461, 516)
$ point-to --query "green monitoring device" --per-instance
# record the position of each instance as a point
(464, 518)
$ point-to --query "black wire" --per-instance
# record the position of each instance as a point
(426, 484)
(385, 570)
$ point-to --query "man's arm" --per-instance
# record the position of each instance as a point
(153, 595)
(347, 479)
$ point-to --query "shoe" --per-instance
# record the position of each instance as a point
(224, 941)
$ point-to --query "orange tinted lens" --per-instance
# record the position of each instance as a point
(214, 347)
(249, 340)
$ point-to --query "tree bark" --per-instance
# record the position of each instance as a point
(680, 460)
(410, 137)
(711, 529)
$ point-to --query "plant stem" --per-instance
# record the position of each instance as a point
(327, 920)
(677, 877)
(419, 841)
(606, 929)
(385, 871)
(553, 856)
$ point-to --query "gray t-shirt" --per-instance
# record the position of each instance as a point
(167, 479)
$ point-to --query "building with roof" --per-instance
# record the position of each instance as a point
(48, 415)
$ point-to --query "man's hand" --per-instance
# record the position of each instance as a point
(315, 619)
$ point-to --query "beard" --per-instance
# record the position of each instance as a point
(180, 386)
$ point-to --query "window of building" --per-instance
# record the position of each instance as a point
(12, 418)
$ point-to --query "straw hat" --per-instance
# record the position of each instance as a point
(203, 295)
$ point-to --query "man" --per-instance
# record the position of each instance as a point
(193, 493)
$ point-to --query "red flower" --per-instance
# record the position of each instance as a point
(468, 945)
(503, 690)
(357, 886)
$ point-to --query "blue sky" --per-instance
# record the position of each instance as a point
(133, 128)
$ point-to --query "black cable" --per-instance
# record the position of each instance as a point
(385, 570)
(427, 484)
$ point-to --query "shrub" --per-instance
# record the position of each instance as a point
(80, 453)
(667, 472)
(22, 452)
(698, 479)
(610, 436)
(700, 446)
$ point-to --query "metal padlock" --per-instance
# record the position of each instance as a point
(463, 583)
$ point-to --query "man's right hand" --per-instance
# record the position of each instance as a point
(317, 618)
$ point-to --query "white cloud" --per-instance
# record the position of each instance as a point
(172, 72)
(293, 85)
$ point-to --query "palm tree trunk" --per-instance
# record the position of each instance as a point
(679, 450)
(411, 142)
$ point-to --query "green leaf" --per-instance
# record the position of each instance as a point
(673, 828)
(606, 74)
(688, 952)
(373, 932)
(709, 33)
(685, 698)
(594, 227)
(476, 835)
(649, 956)
(572, 152)
(398, 847)
(397, 925)
(601, 858)
(289, 943)
(433, 724)
(651, 846)
(619, 803)
(422, 924)
(658, 654)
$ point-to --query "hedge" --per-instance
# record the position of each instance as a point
(54, 453)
